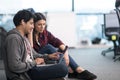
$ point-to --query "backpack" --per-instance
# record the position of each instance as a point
(3, 34)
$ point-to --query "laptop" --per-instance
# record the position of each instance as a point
(53, 62)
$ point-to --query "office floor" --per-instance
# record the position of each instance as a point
(103, 66)
(91, 59)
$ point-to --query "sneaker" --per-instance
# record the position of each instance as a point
(72, 75)
(58, 79)
(86, 75)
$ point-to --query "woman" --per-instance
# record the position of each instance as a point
(45, 42)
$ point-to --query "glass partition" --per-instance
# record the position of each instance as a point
(88, 26)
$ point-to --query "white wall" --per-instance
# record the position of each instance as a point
(62, 25)
(10, 6)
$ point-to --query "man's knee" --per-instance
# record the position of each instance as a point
(63, 69)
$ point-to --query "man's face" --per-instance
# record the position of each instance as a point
(29, 26)
(40, 26)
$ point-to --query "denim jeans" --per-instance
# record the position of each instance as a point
(49, 49)
(49, 72)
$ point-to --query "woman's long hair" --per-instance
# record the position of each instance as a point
(37, 16)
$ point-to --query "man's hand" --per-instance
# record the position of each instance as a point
(39, 61)
(54, 56)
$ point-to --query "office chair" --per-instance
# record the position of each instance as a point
(111, 30)
(118, 48)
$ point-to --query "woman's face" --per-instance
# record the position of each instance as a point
(40, 26)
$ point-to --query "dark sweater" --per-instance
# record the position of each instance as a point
(46, 38)
(117, 3)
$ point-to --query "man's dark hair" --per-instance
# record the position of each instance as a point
(22, 15)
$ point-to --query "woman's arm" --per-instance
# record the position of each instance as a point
(66, 56)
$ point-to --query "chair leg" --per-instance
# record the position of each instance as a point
(106, 51)
(117, 59)
(117, 53)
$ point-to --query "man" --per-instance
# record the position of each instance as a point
(21, 60)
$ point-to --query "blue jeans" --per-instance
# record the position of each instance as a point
(48, 72)
(49, 49)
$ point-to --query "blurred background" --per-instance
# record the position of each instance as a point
(77, 22)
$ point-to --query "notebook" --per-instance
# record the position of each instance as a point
(53, 62)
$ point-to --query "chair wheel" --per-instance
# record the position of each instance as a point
(103, 53)
(114, 57)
